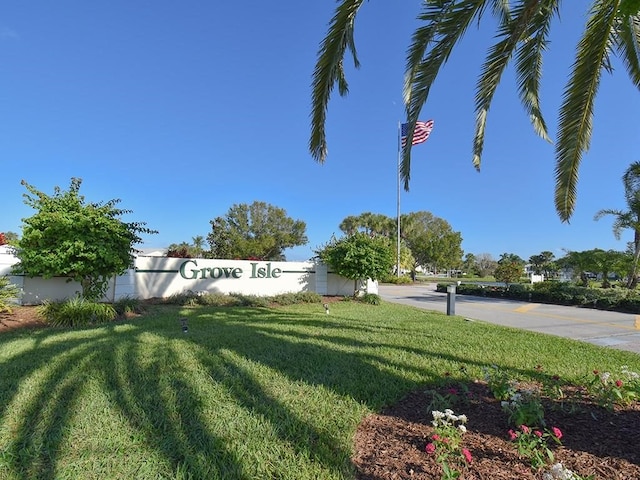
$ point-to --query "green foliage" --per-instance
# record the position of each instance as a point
(190, 298)
(522, 34)
(510, 268)
(68, 237)
(402, 280)
(359, 256)
(258, 231)
(371, 299)
(296, 298)
(621, 389)
(128, 305)
(9, 292)
(76, 312)
(533, 444)
(431, 240)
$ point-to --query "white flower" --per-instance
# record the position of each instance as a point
(604, 377)
(462, 428)
(462, 418)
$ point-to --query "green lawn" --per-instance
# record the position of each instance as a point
(247, 393)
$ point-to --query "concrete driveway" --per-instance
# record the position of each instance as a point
(608, 329)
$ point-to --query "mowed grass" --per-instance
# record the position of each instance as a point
(247, 393)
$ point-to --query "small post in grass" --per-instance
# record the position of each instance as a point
(183, 322)
(326, 308)
(451, 299)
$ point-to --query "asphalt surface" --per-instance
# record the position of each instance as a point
(607, 329)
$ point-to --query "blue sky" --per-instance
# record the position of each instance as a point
(182, 109)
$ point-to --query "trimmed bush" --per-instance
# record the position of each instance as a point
(76, 312)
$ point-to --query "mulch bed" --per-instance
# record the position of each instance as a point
(596, 441)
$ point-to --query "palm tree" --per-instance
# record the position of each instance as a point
(629, 219)
(613, 27)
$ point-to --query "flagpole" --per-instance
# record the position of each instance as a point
(398, 203)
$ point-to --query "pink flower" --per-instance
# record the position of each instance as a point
(430, 448)
(467, 455)
(512, 435)
(452, 391)
(525, 429)
(618, 383)
(538, 433)
(436, 437)
(557, 432)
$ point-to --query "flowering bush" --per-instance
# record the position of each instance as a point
(524, 408)
(500, 383)
(532, 444)
(446, 442)
(609, 391)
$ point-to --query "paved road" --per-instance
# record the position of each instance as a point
(609, 329)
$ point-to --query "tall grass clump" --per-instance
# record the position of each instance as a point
(76, 312)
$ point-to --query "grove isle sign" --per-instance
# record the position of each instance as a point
(189, 270)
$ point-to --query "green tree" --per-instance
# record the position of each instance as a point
(358, 257)
(629, 219)
(606, 262)
(581, 263)
(68, 237)
(523, 31)
(543, 263)
(371, 223)
(257, 231)
(469, 264)
(187, 250)
(432, 241)
(509, 269)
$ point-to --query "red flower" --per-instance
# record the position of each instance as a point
(467, 455)
(596, 372)
(430, 448)
(557, 432)
(618, 383)
(525, 429)
(538, 433)
(512, 435)
(452, 391)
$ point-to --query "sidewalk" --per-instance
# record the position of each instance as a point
(604, 328)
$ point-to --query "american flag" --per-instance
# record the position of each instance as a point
(420, 133)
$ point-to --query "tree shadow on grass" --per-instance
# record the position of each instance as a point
(148, 374)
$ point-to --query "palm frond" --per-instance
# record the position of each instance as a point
(446, 24)
(529, 64)
(512, 32)
(329, 71)
(628, 46)
(576, 112)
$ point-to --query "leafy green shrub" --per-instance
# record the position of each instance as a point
(8, 293)
(295, 298)
(186, 298)
(371, 299)
(251, 300)
(76, 312)
(402, 280)
(217, 300)
(127, 305)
